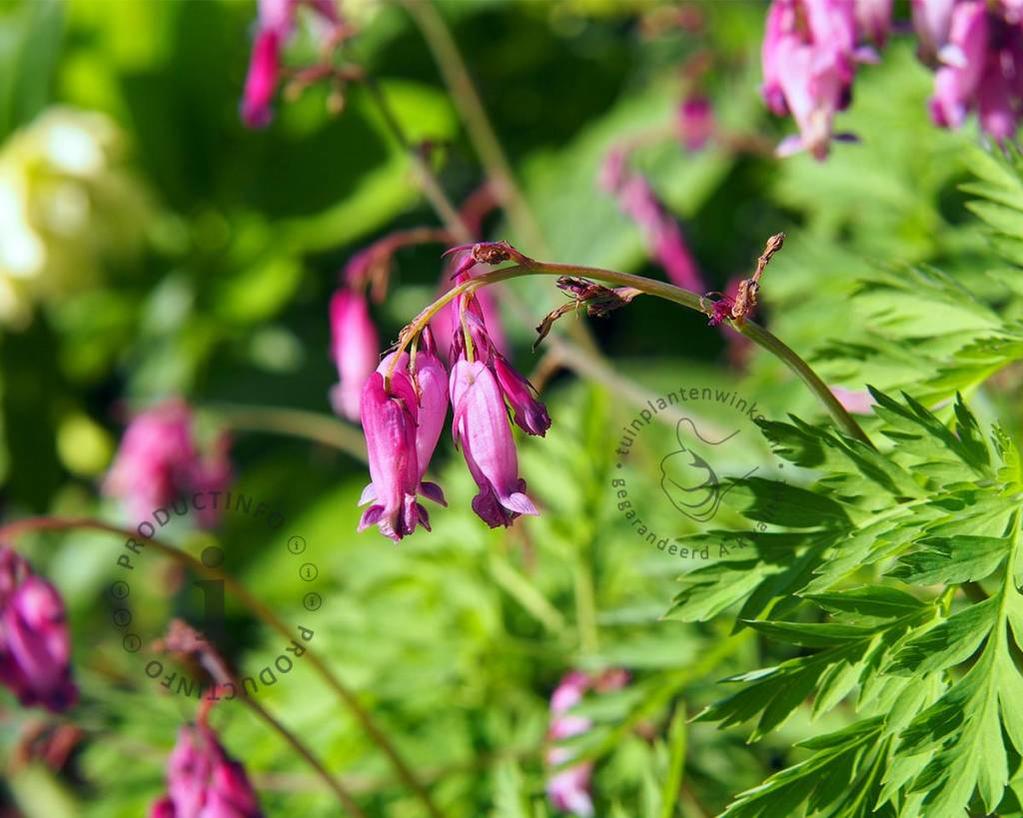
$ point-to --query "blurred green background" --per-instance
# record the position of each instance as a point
(174, 252)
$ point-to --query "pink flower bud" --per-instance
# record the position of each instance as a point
(355, 348)
(389, 421)
(35, 645)
(529, 414)
(159, 461)
(204, 782)
(261, 80)
(481, 430)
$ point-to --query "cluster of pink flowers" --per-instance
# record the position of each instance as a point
(159, 461)
(568, 788)
(979, 51)
(404, 406)
(35, 645)
(811, 49)
(203, 781)
(275, 26)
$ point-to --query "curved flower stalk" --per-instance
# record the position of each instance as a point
(203, 781)
(568, 788)
(35, 644)
(160, 461)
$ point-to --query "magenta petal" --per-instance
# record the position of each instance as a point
(261, 81)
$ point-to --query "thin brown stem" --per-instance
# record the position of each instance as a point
(264, 613)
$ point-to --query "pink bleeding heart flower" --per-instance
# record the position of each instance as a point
(355, 348)
(35, 644)
(529, 414)
(957, 81)
(809, 55)
(276, 25)
(873, 20)
(203, 781)
(932, 20)
(389, 422)
(159, 461)
(482, 431)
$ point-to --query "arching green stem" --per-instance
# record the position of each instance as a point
(660, 289)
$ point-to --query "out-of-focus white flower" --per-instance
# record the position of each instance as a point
(66, 206)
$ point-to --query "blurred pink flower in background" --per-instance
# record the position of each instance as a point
(203, 781)
(664, 239)
(35, 644)
(858, 401)
(355, 348)
(159, 462)
(569, 788)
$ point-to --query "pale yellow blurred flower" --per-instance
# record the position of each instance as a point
(67, 206)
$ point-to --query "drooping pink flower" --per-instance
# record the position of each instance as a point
(932, 20)
(203, 781)
(568, 788)
(35, 644)
(664, 239)
(389, 421)
(430, 383)
(481, 430)
(159, 461)
(873, 20)
(529, 414)
(808, 56)
(956, 83)
(355, 348)
(275, 26)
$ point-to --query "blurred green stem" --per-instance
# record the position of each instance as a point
(313, 426)
(261, 611)
(660, 289)
(470, 107)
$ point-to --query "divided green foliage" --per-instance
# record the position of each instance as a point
(897, 592)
